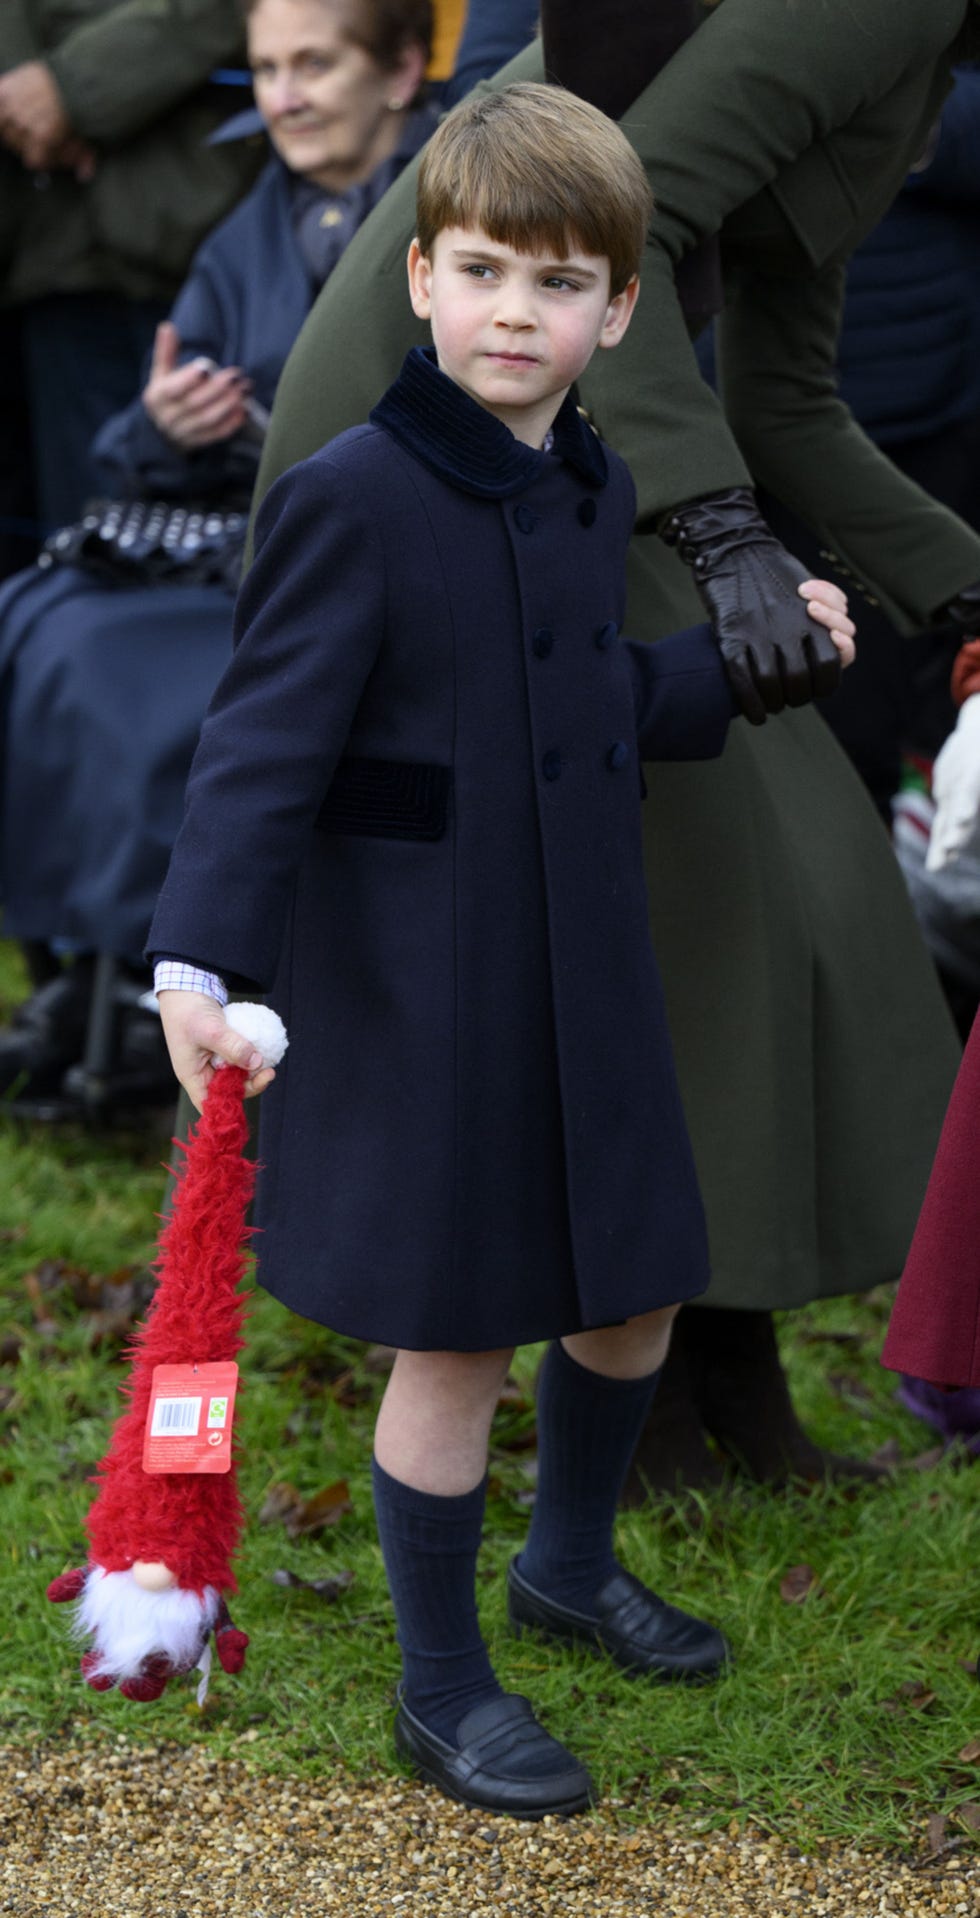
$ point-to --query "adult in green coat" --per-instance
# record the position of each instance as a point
(107, 187)
(814, 1050)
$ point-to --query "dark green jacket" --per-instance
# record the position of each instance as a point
(133, 75)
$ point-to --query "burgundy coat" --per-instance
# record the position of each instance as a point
(414, 818)
(934, 1332)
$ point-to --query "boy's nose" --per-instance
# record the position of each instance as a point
(515, 313)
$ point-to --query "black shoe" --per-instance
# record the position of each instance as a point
(640, 1631)
(46, 1032)
(503, 1761)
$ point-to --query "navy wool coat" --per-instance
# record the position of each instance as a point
(414, 818)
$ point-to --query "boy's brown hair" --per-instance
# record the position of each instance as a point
(539, 170)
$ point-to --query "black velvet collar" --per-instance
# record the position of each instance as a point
(462, 443)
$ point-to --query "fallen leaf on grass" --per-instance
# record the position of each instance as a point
(328, 1588)
(969, 1815)
(924, 1461)
(888, 1456)
(848, 1386)
(970, 1752)
(350, 1391)
(302, 1517)
(913, 1696)
(798, 1584)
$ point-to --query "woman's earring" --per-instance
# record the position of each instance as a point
(395, 104)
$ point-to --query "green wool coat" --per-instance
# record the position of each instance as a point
(133, 75)
(814, 1050)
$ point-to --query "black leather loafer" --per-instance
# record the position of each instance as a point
(639, 1630)
(504, 1761)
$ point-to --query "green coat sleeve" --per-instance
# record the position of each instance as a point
(777, 355)
(740, 135)
(121, 70)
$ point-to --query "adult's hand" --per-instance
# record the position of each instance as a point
(775, 653)
(196, 404)
(33, 119)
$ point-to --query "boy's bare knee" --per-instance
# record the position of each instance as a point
(627, 1351)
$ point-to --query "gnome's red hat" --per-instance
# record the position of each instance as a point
(179, 1530)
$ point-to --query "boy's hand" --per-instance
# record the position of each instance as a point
(196, 1032)
(827, 606)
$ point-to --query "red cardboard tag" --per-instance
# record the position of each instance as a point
(189, 1423)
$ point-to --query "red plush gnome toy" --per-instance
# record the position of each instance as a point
(162, 1540)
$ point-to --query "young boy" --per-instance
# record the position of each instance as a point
(414, 818)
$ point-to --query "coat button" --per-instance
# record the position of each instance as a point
(551, 765)
(542, 641)
(524, 519)
(607, 635)
(587, 512)
(617, 755)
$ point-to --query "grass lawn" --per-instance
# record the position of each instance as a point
(849, 1714)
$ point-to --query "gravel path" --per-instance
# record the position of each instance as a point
(129, 1831)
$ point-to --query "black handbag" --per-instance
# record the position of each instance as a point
(152, 542)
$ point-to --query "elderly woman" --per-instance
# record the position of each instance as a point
(104, 680)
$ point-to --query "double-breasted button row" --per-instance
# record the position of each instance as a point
(525, 519)
(618, 754)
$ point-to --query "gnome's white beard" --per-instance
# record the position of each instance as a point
(127, 1624)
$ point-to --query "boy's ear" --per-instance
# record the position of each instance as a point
(619, 313)
(419, 281)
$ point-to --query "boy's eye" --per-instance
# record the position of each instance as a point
(557, 280)
(477, 270)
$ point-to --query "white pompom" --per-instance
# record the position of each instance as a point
(260, 1024)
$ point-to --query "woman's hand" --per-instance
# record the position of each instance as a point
(197, 404)
(197, 1032)
(827, 605)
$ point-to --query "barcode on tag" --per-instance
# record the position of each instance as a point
(173, 1417)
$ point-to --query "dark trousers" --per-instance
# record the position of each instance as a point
(85, 357)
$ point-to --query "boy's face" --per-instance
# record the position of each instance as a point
(514, 330)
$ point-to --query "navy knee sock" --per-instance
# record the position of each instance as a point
(430, 1545)
(588, 1426)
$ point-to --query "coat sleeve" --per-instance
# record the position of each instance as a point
(125, 67)
(760, 84)
(309, 625)
(682, 696)
(777, 361)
